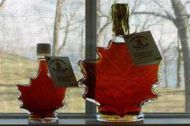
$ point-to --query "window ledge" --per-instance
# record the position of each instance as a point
(89, 120)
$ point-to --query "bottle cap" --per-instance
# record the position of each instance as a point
(120, 18)
(43, 49)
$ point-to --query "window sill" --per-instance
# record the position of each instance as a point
(86, 120)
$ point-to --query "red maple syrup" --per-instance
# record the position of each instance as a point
(114, 81)
(117, 83)
(41, 97)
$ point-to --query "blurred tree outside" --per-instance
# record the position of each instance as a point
(61, 23)
(179, 16)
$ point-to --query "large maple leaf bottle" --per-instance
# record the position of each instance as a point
(41, 97)
(114, 82)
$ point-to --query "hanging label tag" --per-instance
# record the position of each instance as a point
(61, 71)
(143, 48)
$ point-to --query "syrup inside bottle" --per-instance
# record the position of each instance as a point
(114, 81)
(41, 97)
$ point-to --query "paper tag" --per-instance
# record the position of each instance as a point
(61, 71)
(143, 48)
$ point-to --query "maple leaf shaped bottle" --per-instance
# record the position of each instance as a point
(114, 82)
(41, 97)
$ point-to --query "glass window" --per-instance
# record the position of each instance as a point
(26, 23)
(23, 25)
(164, 20)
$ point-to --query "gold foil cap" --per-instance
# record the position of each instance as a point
(120, 18)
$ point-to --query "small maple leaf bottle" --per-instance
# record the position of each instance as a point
(41, 97)
(114, 82)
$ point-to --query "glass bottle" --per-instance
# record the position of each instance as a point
(114, 82)
(41, 97)
(120, 27)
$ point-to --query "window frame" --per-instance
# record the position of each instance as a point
(90, 41)
(65, 119)
(90, 54)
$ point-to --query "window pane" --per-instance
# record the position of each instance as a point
(156, 16)
(23, 25)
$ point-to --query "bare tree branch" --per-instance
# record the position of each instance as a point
(66, 31)
(145, 24)
(57, 25)
(153, 23)
(102, 30)
(65, 37)
(104, 26)
(82, 39)
(155, 14)
(103, 16)
(166, 12)
(136, 4)
(2, 3)
(99, 11)
(44, 22)
(73, 23)
(179, 59)
(187, 2)
(181, 23)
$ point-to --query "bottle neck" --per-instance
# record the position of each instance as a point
(42, 65)
(118, 39)
(120, 19)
